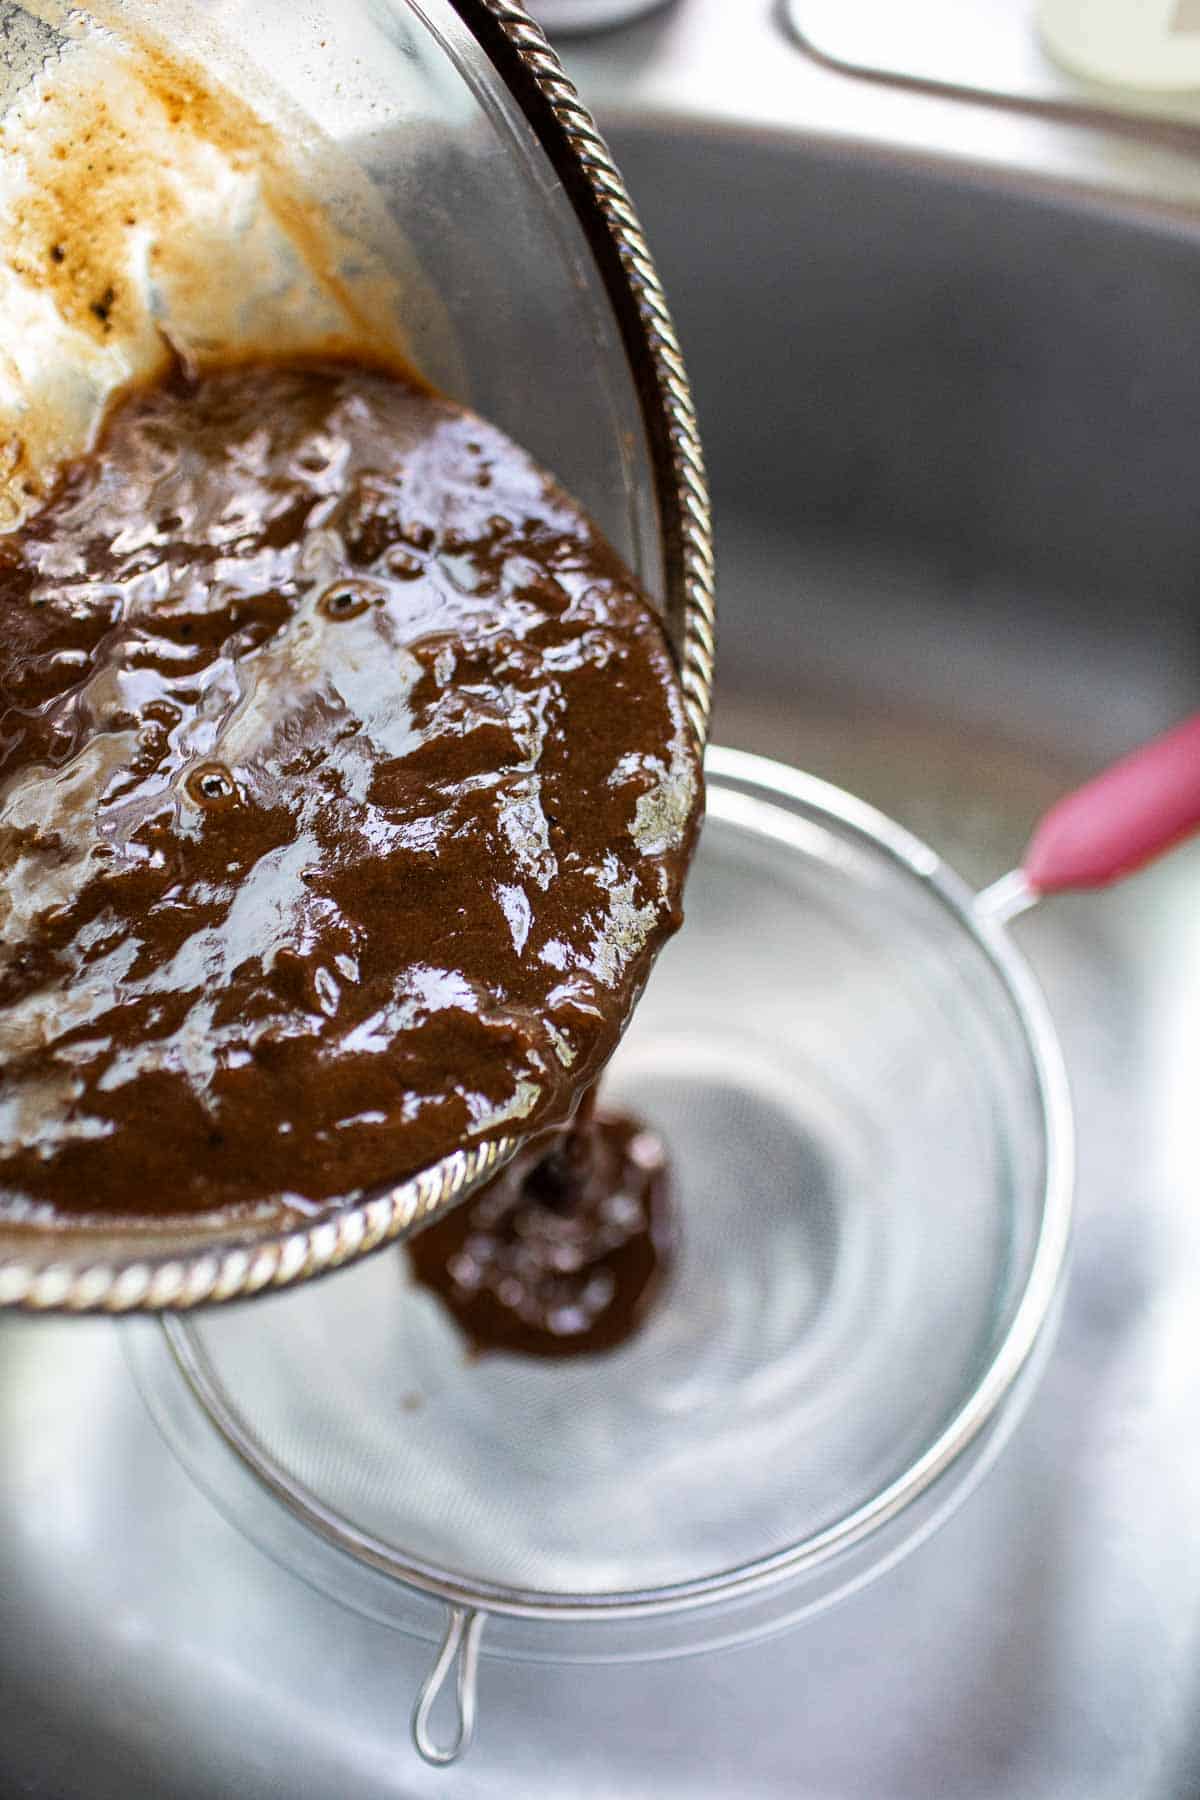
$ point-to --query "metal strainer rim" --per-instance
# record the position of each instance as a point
(1033, 1313)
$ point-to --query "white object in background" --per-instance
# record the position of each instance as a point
(993, 48)
(562, 18)
(1131, 43)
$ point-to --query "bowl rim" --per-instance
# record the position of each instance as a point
(132, 1268)
(1016, 1356)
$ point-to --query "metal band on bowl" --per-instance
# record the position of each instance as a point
(244, 1264)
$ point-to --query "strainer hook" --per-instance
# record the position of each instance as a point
(460, 1644)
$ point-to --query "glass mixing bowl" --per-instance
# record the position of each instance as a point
(868, 1117)
(528, 293)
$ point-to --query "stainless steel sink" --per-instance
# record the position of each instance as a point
(951, 432)
(952, 418)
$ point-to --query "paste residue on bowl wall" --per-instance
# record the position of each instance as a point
(147, 213)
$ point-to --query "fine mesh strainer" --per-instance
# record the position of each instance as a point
(871, 1134)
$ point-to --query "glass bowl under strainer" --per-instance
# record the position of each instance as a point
(870, 1134)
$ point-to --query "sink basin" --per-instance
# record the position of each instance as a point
(951, 425)
(951, 428)
(951, 433)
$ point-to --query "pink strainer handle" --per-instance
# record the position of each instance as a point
(1122, 818)
(1109, 827)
